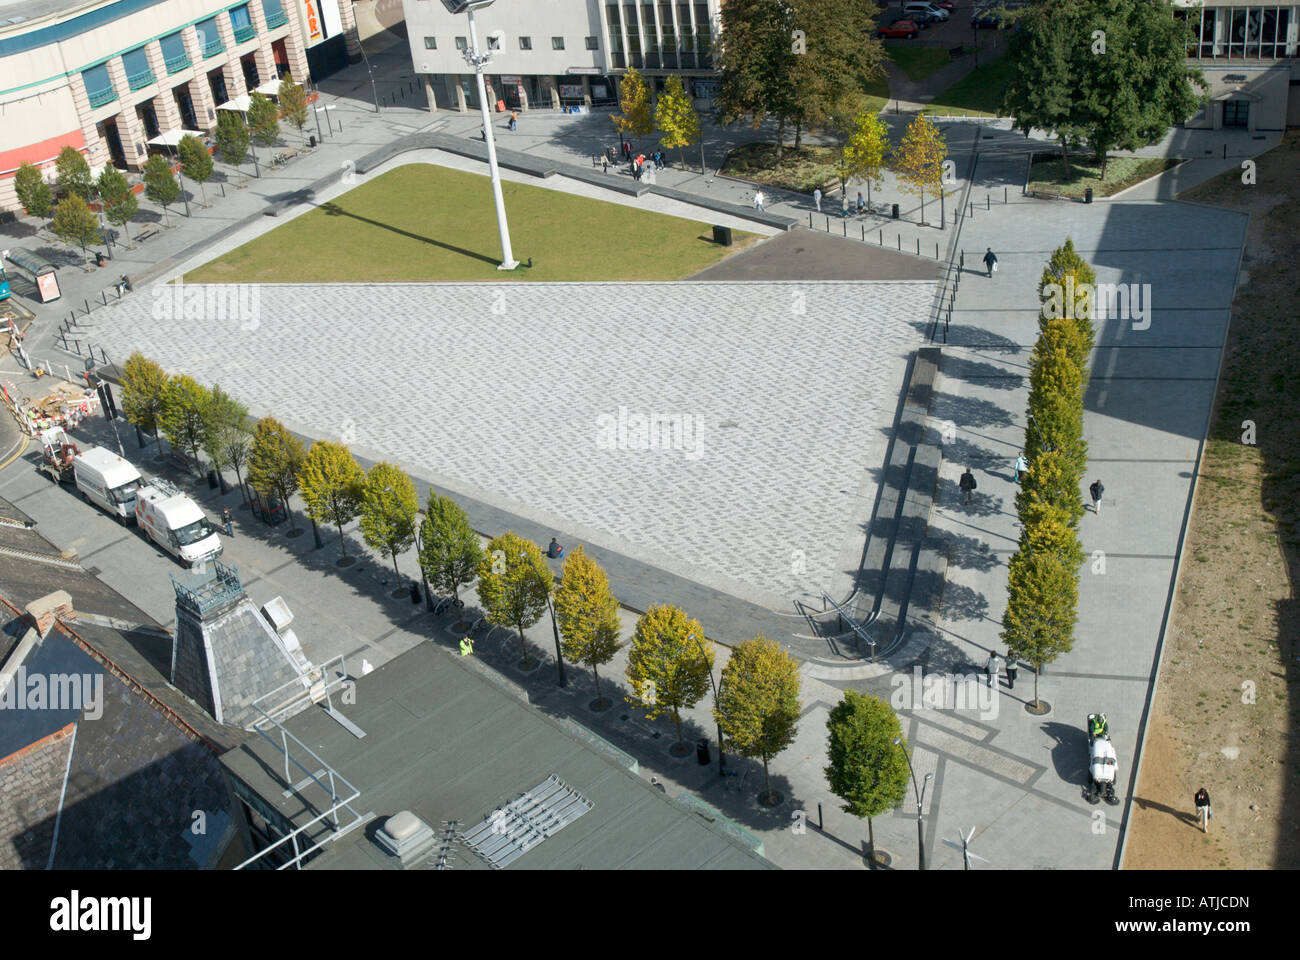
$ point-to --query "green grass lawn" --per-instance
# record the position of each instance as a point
(918, 62)
(978, 94)
(1048, 176)
(427, 223)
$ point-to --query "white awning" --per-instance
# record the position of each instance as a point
(271, 88)
(172, 137)
(239, 104)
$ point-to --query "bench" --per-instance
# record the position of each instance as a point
(179, 461)
(956, 52)
(147, 231)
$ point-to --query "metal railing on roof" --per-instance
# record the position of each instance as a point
(202, 597)
(340, 790)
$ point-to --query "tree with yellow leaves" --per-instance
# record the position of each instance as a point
(669, 664)
(758, 703)
(919, 160)
(862, 154)
(636, 120)
(588, 616)
(676, 118)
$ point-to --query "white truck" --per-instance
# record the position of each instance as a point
(175, 522)
(108, 481)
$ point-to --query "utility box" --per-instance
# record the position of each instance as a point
(722, 235)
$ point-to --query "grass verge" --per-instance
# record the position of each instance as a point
(1048, 175)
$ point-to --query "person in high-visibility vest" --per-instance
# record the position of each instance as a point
(466, 647)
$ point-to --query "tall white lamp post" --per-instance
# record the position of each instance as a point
(476, 60)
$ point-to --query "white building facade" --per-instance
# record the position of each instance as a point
(562, 53)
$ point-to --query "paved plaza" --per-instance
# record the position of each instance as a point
(771, 399)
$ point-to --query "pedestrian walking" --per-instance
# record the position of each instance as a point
(636, 169)
(228, 521)
(1096, 491)
(861, 206)
(627, 150)
(1021, 468)
(844, 206)
(758, 200)
(1012, 668)
(1204, 812)
(993, 665)
(991, 261)
(604, 163)
(817, 198)
(967, 485)
(514, 119)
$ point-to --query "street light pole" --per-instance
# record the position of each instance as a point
(476, 60)
(920, 801)
(722, 760)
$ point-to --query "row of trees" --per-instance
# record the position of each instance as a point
(674, 115)
(1043, 575)
(73, 219)
(1106, 75)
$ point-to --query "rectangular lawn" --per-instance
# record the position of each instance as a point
(423, 222)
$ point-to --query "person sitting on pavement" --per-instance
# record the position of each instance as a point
(554, 550)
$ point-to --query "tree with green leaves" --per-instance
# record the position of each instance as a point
(514, 582)
(1066, 289)
(842, 58)
(33, 191)
(1056, 386)
(756, 65)
(232, 138)
(758, 703)
(119, 203)
(144, 385)
(184, 414)
(450, 552)
(227, 439)
(196, 162)
(1042, 605)
(587, 613)
(273, 463)
(293, 103)
(636, 118)
(863, 151)
(75, 222)
(919, 160)
(867, 770)
(1040, 93)
(160, 184)
(388, 506)
(263, 122)
(331, 481)
(1052, 478)
(72, 174)
(676, 118)
(666, 667)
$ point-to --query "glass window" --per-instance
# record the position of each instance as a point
(593, 43)
(431, 43)
(209, 37)
(557, 43)
(494, 43)
(462, 43)
(525, 43)
(240, 19)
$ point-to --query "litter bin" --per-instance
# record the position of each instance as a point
(212, 479)
(702, 751)
(722, 235)
(894, 212)
(312, 139)
(1087, 195)
(415, 592)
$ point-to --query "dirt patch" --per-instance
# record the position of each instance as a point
(1226, 711)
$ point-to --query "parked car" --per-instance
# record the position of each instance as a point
(946, 4)
(924, 8)
(899, 30)
(986, 17)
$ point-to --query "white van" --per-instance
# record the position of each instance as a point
(176, 523)
(107, 480)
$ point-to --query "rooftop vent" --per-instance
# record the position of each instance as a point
(406, 837)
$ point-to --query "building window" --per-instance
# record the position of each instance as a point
(241, 22)
(494, 43)
(593, 43)
(557, 43)
(525, 43)
(431, 43)
(462, 43)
